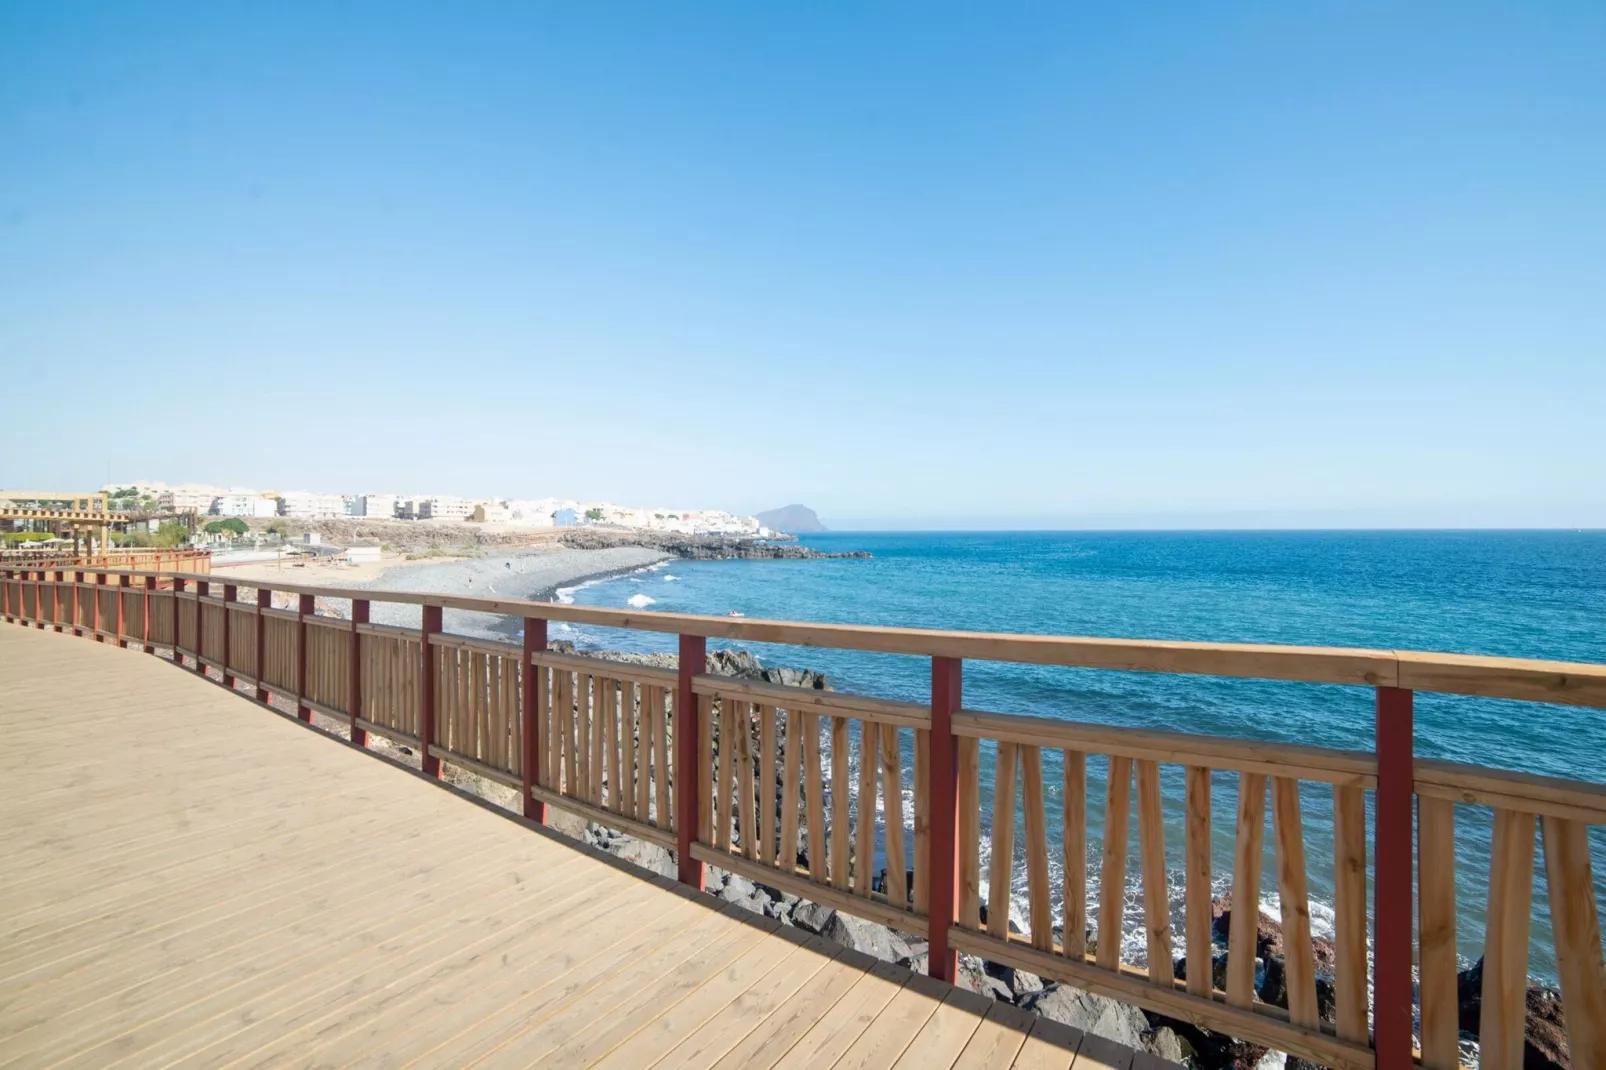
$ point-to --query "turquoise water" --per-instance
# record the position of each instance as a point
(1530, 594)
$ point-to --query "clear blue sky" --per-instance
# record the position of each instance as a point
(909, 264)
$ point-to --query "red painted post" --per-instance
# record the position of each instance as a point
(94, 605)
(306, 607)
(77, 624)
(947, 685)
(203, 588)
(1392, 939)
(122, 614)
(359, 615)
(5, 593)
(264, 600)
(688, 753)
(145, 635)
(430, 625)
(231, 594)
(178, 632)
(55, 609)
(534, 640)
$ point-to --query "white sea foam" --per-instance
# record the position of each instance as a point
(671, 579)
(640, 601)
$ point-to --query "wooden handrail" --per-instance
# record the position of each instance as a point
(1561, 682)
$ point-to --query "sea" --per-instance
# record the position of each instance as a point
(1539, 594)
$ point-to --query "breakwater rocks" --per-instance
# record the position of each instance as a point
(699, 547)
(740, 663)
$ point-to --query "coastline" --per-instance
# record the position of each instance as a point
(536, 576)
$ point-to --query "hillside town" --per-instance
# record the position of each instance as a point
(505, 513)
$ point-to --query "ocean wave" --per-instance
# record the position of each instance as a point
(640, 601)
(671, 579)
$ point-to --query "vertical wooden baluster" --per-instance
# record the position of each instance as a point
(766, 785)
(1300, 958)
(864, 855)
(611, 773)
(724, 789)
(601, 701)
(1505, 950)
(1577, 928)
(1156, 896)
(1248, 854)
(639, 700)
(705, 773)
(1037, 890)
(1001, 863)
(968, 822)
(1073, 827)
(814, 789)
(660, 748)
(1435, 837)
(573, 734)
(922, 820)
(839, 802)
(792, 754)
(744, 756)
(1198, 878)
(892, 809)
(1112, 882)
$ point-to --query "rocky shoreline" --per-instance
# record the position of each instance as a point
(701, 547)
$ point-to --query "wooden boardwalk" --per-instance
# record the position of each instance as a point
(192, 879)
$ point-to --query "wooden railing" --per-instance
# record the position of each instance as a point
(772, 767)
(121, 558)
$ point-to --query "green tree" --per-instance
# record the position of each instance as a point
(593, 514)
(233, 526)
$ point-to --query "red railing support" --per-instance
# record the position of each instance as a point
(359, 615)
(530, 709)
(55, 610)
(688, 752)
(122, 613)
(305, 608)
(77, 624)
(231, 593)
(5, 593)
(145, 635)
(947, 684)
(203, 589)
(94, 606)
(264, 600)
(1392, 938)
(430, 625)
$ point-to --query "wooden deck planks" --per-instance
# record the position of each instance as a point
(193, 880)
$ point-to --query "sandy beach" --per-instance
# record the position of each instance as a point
(532, 574)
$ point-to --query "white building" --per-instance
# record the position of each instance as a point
(378, 506)
(446, 508)
(252, 505)
(197, 496)
(491, 513)
(304, 505)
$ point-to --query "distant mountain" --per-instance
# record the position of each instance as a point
(796, 519)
